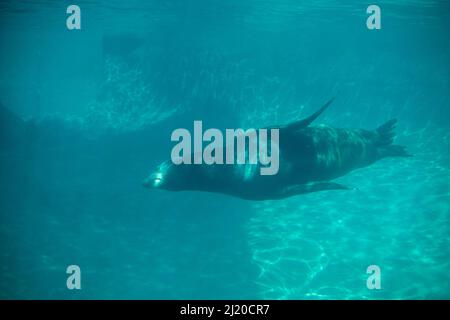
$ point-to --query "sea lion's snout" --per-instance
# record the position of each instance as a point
(154, 180)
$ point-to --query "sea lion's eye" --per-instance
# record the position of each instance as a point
(157, 180)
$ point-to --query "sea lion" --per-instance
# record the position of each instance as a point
(309, 158)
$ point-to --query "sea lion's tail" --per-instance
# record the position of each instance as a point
(385, 137)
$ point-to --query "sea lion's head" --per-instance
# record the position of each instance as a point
(168, 176)
(158, 178)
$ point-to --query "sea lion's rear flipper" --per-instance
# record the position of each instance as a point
(385, 139)
(307, 121)
(311, 187)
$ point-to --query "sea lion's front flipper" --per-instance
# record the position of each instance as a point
(307, 121)
(311, 187)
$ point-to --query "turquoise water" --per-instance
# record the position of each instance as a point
(93, 109)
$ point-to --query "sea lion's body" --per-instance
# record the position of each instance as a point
(309, 157)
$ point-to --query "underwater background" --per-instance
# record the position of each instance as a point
(87, 114)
